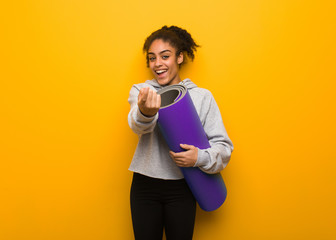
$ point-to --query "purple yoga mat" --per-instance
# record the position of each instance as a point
(180, 123)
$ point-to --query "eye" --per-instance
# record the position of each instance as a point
(165, 57)
(151, 59)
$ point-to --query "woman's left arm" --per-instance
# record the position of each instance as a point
(214, 159)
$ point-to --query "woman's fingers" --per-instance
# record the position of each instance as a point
(143, 95)
(154, 100)
(158, 101)
(149, 101)
(149, 98)
(186, 158)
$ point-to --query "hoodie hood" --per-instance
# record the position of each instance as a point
(186, 82)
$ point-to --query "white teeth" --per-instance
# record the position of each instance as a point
(160, 71)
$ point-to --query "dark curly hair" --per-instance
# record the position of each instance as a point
(178, 38)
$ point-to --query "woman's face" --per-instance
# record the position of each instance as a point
(164, 63)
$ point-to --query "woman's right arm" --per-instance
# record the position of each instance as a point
(145, 104)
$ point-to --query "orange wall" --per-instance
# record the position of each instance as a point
(66, 71)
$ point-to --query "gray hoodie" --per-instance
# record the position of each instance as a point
(151, 157)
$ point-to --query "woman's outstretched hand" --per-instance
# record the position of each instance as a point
(187, 158)
(149, 102)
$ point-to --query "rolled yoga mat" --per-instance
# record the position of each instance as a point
(179, 123)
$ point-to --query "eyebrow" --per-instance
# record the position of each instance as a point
(160, 52)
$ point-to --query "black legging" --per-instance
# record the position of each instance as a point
(158, 204)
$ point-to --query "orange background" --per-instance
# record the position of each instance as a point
(66, 71)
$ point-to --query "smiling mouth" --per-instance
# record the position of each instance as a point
(159, 72)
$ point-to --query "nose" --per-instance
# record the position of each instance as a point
(157, 62)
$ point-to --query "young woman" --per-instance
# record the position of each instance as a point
(160, 197)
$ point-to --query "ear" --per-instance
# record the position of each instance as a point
(180, 58)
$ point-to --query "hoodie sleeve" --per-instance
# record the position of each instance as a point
(139, 123)
(215, 158)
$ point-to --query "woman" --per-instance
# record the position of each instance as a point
(160, 197)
